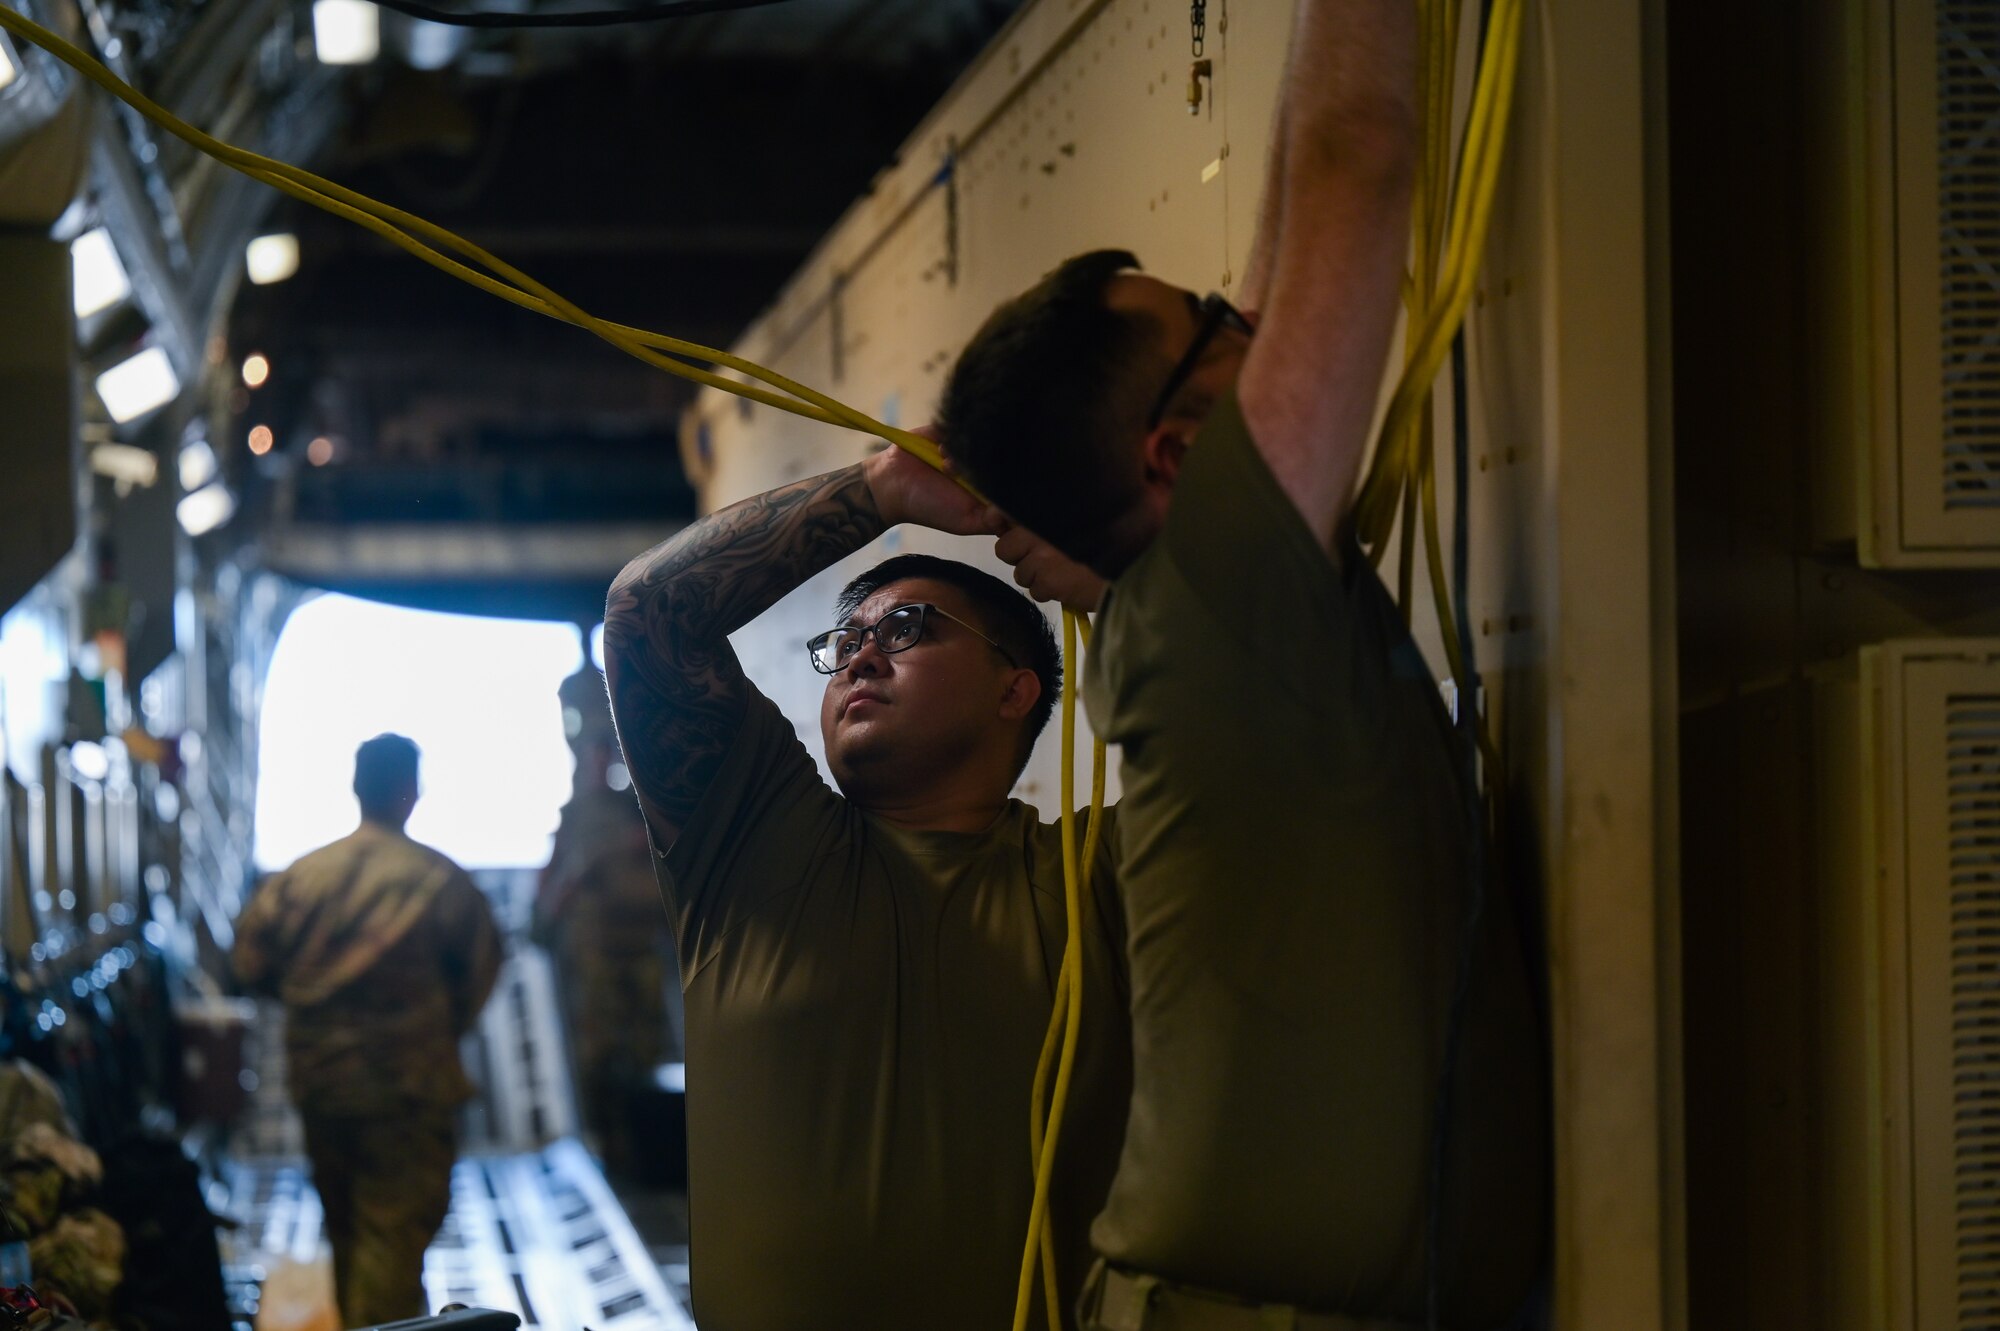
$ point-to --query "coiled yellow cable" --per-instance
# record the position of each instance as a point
(1401, 479)
(1059, 1045)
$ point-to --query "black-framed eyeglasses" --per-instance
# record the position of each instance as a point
(1212, 314)
(896, 630)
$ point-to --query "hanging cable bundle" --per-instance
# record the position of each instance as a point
(1059, 1044)
(1449, 223)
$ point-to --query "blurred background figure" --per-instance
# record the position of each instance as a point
(383, 953)
(599, 914)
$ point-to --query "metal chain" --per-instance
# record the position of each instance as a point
(1198, 21)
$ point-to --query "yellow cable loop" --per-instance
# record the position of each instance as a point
(1471, 211)
(1377, 500)
(1058, 1015)
(390, 222)
(1068, 1011)
(1037, 1112)
(1437, 62)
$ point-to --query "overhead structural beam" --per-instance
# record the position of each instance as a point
(749, 239)
(293, 131)
(127, 207)
(453, 552)
(185, 303)
(211, 57)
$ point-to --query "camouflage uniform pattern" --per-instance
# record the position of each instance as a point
(384, 1187)
(383, 951)
(599, 913)
(27, 1097)
(48, 1181)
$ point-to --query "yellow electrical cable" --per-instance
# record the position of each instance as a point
(1471, 211)
(1401, 482)
(1065, 1015)
(1059, 1013)
(391, 224)
(1481, 170)
(1037, 1110)
(1069, 1005)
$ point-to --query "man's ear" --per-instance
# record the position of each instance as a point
(1160, 455)
(1024, 690)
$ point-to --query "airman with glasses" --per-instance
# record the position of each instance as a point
(869, 966)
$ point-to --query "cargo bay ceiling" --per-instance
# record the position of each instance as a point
(425, 441)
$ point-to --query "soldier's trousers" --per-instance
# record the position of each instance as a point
(385, 1185)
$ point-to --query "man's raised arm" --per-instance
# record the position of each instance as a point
(1346, 152)
(677, 690)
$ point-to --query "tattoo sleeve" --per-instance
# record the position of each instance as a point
(677, 691)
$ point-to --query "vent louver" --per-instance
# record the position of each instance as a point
(1968, 72)
(1972, 746)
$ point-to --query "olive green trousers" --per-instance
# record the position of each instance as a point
(384, 1183)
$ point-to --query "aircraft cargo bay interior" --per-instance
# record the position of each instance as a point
(1106, 664)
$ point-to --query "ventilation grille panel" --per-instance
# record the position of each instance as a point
(1972, 746)
(1968, 52)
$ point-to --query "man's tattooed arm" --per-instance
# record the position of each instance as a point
(677, 690)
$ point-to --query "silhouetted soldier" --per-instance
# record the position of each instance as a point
(383, 952)
(598, 911)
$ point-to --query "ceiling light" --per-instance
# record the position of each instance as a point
(88, 760)
(261, 439)
(432, 46)
(346, 32)
(99, 276)
(320, 451)
(197, 466)
(134, 387)
(130, 467)
(272, 258)
(256, 369)
(205, 509)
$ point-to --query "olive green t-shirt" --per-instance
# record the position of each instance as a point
(865, 1007)
(1293, 850)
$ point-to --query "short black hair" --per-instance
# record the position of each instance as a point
(384, 769)
(1040, 406)
(1006, 615)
